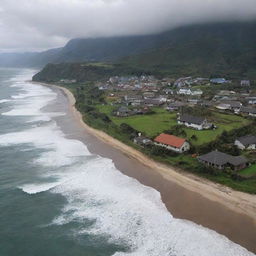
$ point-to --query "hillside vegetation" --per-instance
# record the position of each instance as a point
(220, 49)
(208, 50)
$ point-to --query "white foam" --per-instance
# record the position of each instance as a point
(38, 187)
(4, 100)
(128, 212)
(123, 210)
(30, 101)
(60, 151)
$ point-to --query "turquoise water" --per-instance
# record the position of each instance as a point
(56, 198)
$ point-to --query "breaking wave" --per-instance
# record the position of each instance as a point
(120, 208)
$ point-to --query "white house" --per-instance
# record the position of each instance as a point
(197, 92)
(248, 110)
(223, 106)
(198, 123)
(251, 100)
(184, 91)
(172, 143)
(246, 142)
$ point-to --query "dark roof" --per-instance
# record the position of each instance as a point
(248, 110)
(237, 160)
(152, 102)
(176, 104)
(191, 119)
(233, 104)
(247, 140)
(220, 158)
(215, 157)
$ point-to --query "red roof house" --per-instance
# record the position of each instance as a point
(172, 142)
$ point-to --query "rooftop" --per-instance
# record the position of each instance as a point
(170, 140)
(191, 119)
(247, 140)
(220, 158)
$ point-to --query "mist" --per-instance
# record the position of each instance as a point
(33, 25)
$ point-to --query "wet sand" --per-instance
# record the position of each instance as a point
(193, 203)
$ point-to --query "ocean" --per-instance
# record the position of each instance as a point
(57, 198)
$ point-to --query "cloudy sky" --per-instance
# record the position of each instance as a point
(42, 24)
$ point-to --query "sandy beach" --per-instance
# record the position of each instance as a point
(231, 213)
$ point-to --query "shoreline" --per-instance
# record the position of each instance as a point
(235, 200)
(231, 213)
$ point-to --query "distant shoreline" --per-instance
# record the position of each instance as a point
(235, 201)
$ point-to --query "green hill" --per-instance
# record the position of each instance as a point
(204, 50)
(220, 49)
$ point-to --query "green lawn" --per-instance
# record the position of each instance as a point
(224, 122)
(162, 120)
(250, 171)
(106, 109)
(151, 125)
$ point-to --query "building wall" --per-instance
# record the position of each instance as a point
(195, 126)
(185, 147)
(241, 146)
(220, 167)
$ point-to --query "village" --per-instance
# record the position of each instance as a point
(191, 111)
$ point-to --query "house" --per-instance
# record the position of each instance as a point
(172, 143)
(175, 106)
(230, 105)
(123, 112)
(153, 102)
(218, 81)
(234, 105)
(223, 106)
(245, 83)
(198, 123)
(162, 98)
(196, 92)
(168, 91)
(183, 81)
(220, 160)
(251, 100)
(246, 142)
(193, 102)
(248, 111)
(133, 97)
(148, 95)
(134, 100)
(184, 91)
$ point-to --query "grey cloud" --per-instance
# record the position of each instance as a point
(41, 24)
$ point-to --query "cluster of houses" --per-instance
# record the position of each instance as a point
(136, 95)
(171, 94)
(146, 82)
(214, 159)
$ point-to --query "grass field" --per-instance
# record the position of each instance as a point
(224, 122)
(250, 171)
(162, 120)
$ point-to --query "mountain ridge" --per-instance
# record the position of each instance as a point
(207, 49)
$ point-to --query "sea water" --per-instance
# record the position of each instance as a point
(56, 198)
